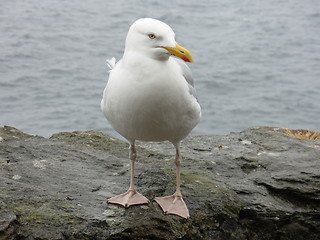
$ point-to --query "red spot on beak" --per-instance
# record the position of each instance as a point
(185, 59)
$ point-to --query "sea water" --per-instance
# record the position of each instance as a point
(256, 62)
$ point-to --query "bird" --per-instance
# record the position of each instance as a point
(150, 96)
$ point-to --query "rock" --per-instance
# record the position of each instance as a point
(256, 184)
(7, 221)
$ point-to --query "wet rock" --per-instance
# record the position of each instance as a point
(256, 184)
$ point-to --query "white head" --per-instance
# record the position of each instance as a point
(155, 39)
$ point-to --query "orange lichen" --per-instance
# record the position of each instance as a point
(303, 134)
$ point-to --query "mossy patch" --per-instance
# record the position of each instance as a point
(94, 140)
(192, 178)
(46, 214)
(99, 141)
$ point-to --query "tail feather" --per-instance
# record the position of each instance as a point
(111, 63)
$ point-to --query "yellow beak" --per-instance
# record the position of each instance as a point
(180, 52)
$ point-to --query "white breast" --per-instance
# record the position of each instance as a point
(150, 105)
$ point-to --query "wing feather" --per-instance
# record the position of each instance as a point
(186, 72)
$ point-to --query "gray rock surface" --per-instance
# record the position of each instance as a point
(256, 184)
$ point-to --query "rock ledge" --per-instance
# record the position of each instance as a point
(255, 184)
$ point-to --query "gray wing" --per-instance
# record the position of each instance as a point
(186, 72)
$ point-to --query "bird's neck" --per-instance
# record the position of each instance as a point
(132, 56)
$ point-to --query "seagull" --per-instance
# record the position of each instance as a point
(150, 96)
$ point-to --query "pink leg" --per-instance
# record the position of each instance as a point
(130, 197)
(175, 204)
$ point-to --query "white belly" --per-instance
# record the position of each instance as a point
(148, 109)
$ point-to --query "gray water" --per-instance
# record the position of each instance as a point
(256, 62)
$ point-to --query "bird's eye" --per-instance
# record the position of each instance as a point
(152, 36)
